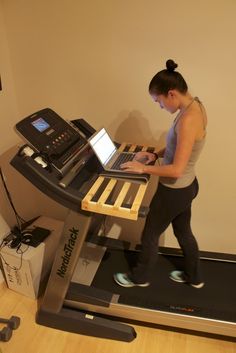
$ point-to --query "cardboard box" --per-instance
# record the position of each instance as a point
(26, 268)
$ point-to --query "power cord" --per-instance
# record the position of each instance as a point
(19, 251)
(19, 219)
(6, 242)
(18, 235)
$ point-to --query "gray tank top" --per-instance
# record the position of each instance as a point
(189, 173)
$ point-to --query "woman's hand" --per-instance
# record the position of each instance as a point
(133, 167)
(137, 164)
(144, 157)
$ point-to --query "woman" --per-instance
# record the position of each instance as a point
(178, 185)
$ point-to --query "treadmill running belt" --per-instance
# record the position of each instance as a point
(216, 300)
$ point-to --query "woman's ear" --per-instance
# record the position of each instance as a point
(171, 93)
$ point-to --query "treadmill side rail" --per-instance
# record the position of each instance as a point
(86, 324)
(166, 320)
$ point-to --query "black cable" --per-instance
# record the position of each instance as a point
(19, 219)
(19, 251)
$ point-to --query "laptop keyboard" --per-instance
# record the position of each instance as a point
(123, 158)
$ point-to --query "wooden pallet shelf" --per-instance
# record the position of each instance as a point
(99, 198)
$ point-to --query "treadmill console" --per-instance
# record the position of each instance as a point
(52, 137)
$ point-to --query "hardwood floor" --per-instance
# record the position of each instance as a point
(33, 338)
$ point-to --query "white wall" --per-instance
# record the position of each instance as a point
(8, 104)
(95, 59)
(8, 108)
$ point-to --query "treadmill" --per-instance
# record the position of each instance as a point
(81, 295)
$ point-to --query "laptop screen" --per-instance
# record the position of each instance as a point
(102, 145)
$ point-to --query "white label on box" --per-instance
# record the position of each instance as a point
(19, 280)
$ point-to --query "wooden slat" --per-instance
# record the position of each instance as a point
(93, 190)
(106, 193)
(138, 198)
(122, 195)
(109, 210)
(132, 148)
(122, 146)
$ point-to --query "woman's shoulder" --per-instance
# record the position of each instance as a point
(194, 119)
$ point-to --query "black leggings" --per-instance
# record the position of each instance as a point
(169, 205)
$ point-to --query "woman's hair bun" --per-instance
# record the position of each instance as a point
(171, 65)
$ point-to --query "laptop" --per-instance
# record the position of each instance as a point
(106, 151)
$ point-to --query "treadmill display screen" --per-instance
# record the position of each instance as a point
(40, 124)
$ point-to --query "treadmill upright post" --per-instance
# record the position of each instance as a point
(51, 312)
(69, 248)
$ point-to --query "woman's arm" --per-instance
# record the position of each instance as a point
(186, 130)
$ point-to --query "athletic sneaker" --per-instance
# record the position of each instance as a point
(178, 276)
(123, 280)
